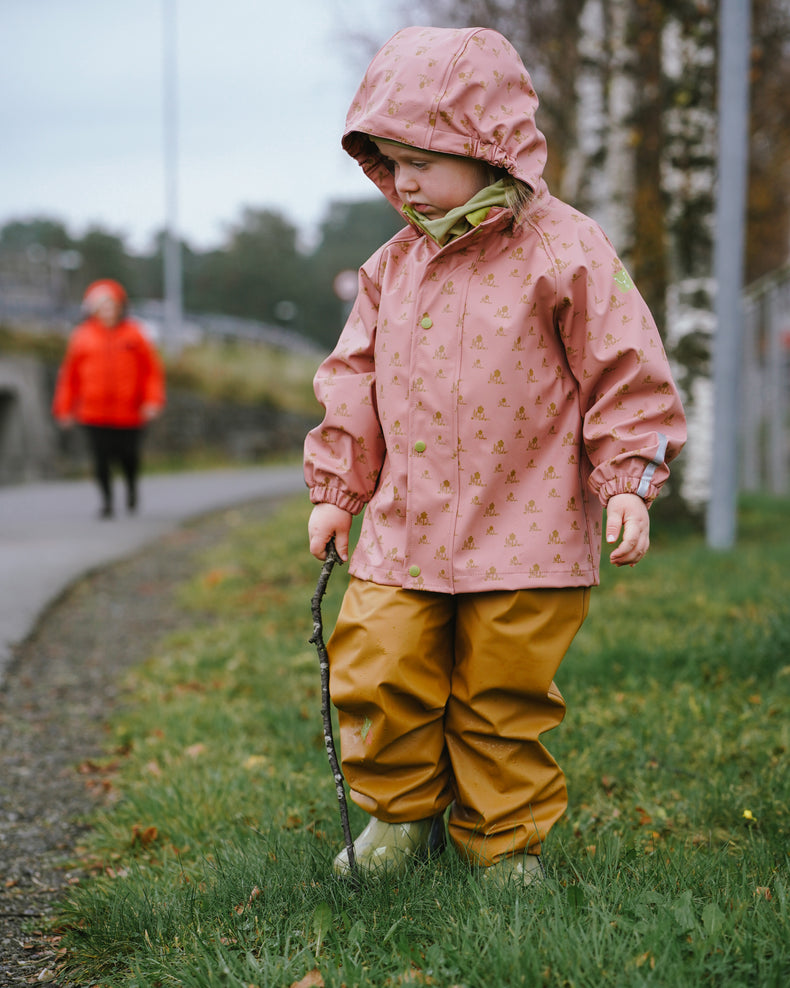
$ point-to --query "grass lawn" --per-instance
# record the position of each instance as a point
(212, 865)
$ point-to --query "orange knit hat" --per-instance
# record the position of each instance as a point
(96, 292)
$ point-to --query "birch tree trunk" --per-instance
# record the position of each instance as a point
(688, 181)
(628, 106)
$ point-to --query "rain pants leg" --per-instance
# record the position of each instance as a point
(442, 700)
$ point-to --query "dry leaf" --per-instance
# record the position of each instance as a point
(144, 836)
(312, 979)
(254, 761)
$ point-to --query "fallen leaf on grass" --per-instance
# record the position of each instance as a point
(312, 979)
(144, 835)
(255, 894)
(111, 872)
(89, 767)
(216, 576)
(415, 976)
(255, 761)
(764, 892)
(644, 817)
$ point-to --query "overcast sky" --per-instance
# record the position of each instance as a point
(263, 89)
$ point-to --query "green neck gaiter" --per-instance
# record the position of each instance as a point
(463, 218)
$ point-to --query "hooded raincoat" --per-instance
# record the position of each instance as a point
(487, 397)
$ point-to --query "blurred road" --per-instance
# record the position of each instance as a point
(50, 533)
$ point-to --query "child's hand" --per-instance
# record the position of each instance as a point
(629, 512)
(327, 520)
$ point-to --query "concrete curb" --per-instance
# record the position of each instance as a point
(50, 533)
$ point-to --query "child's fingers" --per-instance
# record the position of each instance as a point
(628, 514)
(341, 544)
(318, 546)
(635, 544)
(319, 535)
(614, 522)
(327, 522)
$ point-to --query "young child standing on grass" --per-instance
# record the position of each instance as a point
(499, 381)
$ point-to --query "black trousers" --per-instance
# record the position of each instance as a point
(108, 447)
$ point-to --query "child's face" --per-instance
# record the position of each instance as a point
(108, 311)
(432, 184)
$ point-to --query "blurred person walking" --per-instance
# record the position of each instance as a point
(111, 383)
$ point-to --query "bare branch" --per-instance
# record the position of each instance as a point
(332, 557)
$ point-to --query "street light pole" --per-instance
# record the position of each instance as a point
(733, 124)
(171, 247)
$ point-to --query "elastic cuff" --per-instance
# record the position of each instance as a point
(626, 485)
(334, 495)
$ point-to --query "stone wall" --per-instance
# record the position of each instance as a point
(33, 448)
(192, 424)
(28, 439)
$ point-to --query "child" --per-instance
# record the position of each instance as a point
(498, 383)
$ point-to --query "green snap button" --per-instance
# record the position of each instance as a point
(414, 571)
(426, 322)
(420, 446)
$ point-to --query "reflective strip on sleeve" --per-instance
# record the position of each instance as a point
(650, 469)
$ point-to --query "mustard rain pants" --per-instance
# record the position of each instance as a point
(442, 700)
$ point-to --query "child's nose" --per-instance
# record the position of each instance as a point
(406, 181)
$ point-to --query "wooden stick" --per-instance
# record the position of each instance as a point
(332, 557)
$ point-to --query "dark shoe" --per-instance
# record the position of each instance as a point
(393, 847)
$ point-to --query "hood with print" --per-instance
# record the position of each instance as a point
(452, 91)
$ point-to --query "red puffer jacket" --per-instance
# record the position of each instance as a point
(108, 376)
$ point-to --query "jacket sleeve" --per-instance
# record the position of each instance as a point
(153, 374)
(343, 456)
(633, 420)
(64, 401)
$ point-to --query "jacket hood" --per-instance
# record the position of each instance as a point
(454, 91)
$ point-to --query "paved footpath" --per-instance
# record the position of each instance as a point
(50, 533)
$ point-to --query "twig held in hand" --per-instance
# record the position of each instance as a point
(332, 557)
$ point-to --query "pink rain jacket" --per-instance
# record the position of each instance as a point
(488, 397)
